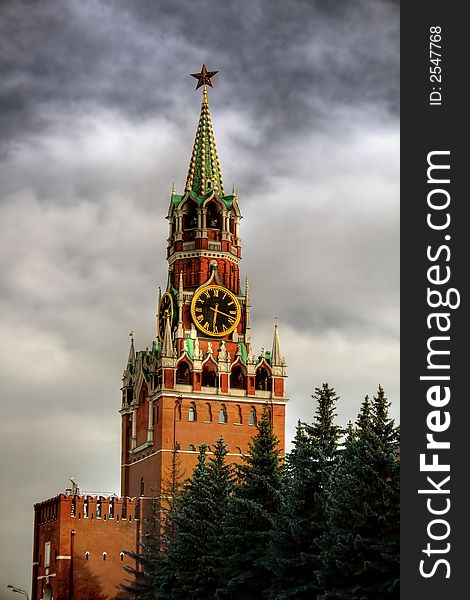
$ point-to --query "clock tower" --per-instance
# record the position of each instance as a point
(201, 378)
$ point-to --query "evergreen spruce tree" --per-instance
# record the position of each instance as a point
(361, 547)
(295, 552)
(192, 555)
(151, 562)
(324, 433)
(219, 491)
(183, 551)
(249, 520)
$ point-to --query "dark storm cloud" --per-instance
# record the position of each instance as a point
(97, 116)
(296, 58)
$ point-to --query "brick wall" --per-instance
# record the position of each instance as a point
(86, 538)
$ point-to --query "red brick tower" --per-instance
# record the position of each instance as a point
(201, 378)
(80, 544)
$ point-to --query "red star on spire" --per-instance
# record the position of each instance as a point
(204, 77)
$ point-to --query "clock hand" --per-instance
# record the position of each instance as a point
(215, 314)
(222, 313)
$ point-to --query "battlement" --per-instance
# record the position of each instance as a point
(84, 506)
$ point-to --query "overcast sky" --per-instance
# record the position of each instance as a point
(97, 116)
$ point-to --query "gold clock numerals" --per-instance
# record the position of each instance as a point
(215, 311)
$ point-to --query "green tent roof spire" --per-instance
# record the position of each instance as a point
(204, 168)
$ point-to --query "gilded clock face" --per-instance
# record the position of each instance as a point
(215, 310)
(166, 306)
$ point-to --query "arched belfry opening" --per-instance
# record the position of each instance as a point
(214, 218)
(237, 378)
(183, 373)
(209, 374)
(190, 217)
(263, 380)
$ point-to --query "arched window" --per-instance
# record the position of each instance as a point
(263, 381)
(142, 486)
(192, 448)
(238, 450)
(237, 378)
(105, 555)
(122, 555)
(190, 216)
(87, 555)
(209, 375)
(178, 410)
(252, 416)
(192, 416)
(183, 373)
(208, 412)
(213, 216)
(223, 414)
(239, 414)
(270, 411)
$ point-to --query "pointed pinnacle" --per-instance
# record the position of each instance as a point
(167, 348)
(276, 358)
(204, 165)
(131, 358)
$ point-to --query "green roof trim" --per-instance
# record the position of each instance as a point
(189, 344)
(267, 357)
(243, 352)
(176, 199)
(200, 199)
(228, 201)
